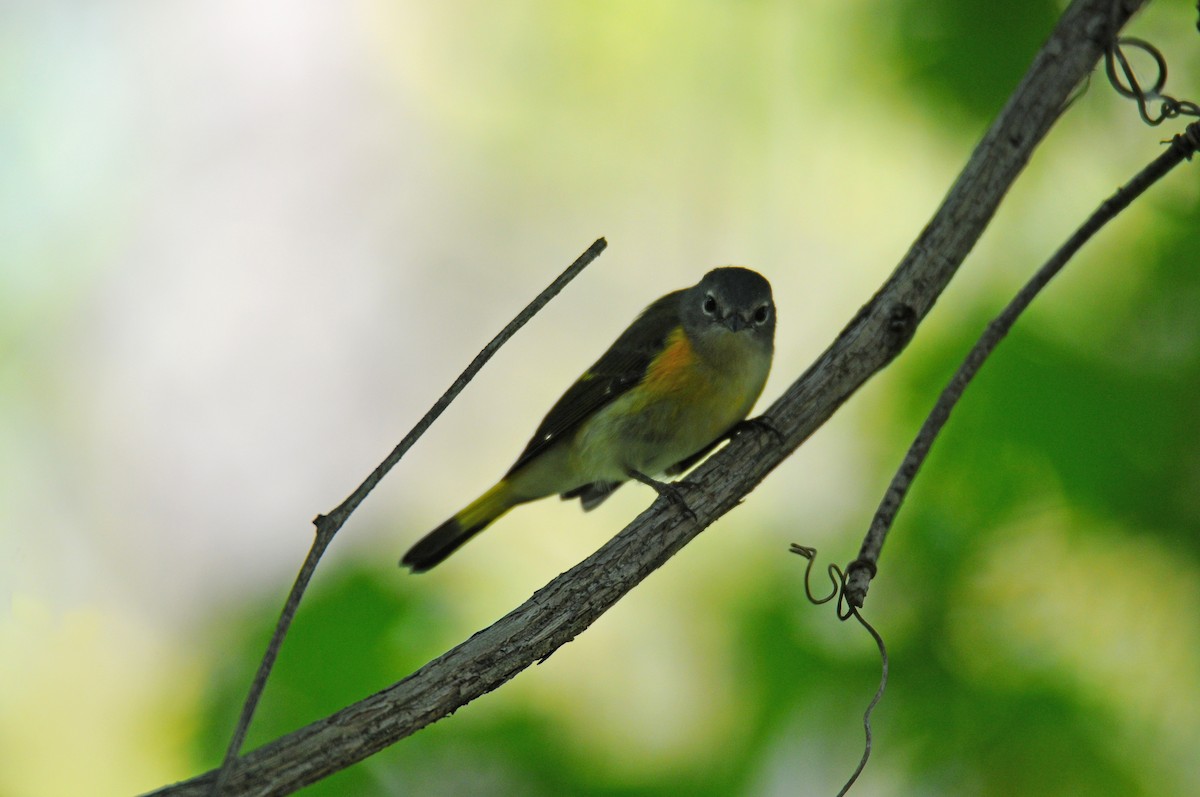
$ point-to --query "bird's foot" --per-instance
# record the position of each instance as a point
(665, 489)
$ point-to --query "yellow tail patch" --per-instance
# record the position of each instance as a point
(487, 508)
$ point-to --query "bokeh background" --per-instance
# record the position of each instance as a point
(244, 246)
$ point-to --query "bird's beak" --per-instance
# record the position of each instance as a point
(735, 322)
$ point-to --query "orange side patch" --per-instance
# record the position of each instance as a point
(671, 370)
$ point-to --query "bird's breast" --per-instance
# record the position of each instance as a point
(687, 399)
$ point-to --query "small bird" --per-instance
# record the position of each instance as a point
(672, 387)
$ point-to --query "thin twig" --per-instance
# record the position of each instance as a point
(862, 569)
(328, 525)
(570, 603)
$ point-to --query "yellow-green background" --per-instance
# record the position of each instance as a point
(243, 246)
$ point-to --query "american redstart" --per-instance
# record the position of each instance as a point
(671, 387)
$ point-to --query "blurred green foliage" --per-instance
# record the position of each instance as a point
(1111, 413)
(964, 56)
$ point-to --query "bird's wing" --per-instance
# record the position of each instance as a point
(618, 369)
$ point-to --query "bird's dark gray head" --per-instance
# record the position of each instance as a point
(730, 299)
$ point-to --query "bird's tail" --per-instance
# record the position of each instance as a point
(435, 546)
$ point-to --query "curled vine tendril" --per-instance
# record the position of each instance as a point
(1127, 85)
(846, 610)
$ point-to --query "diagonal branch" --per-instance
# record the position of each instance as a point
(570, 603)
(329, 525)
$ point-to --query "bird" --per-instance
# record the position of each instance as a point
(673, 386)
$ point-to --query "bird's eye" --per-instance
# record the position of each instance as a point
(761, 315)
(710, 305)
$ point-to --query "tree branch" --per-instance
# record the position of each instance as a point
(571, 602)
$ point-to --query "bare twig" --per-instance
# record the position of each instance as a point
(862, 570)
(328, 525)
(570, 603)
